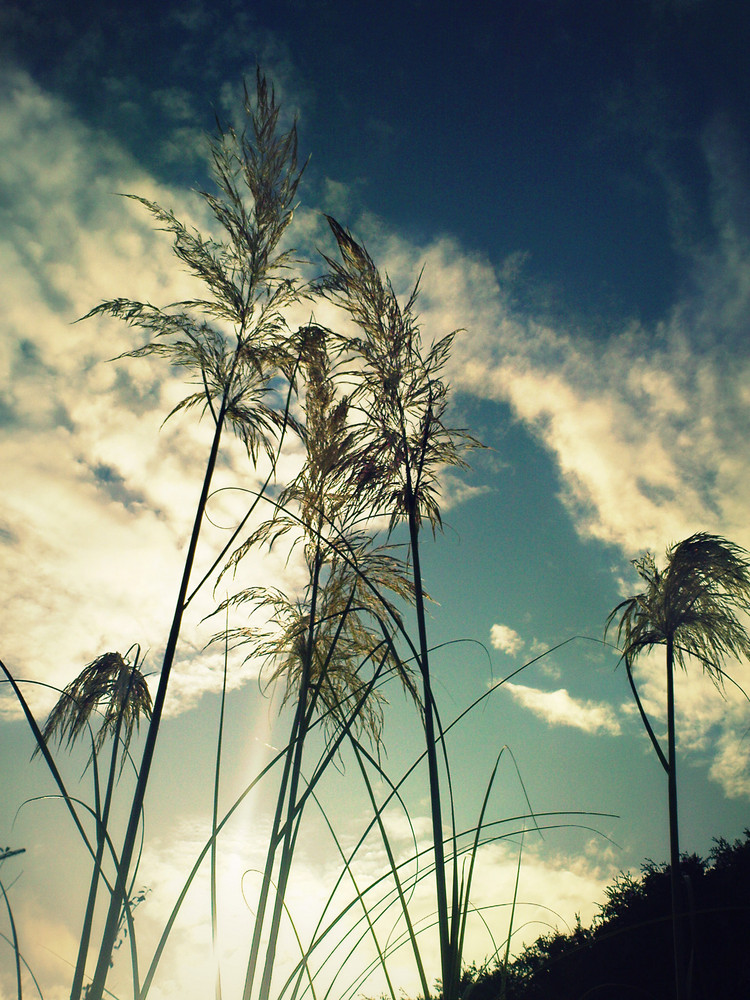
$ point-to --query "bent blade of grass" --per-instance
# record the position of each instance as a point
(151, 972)
(366, 914)
(317, 935)
(475, 832)
(44, 750)
(414, 878)
(394, 871)
(26, 965)
(506, 956)
(214, 820)
(148, 979)
(464, 899)
(14, 937)
(296, 807)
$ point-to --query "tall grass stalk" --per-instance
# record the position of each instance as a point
(696, 607)
(248, 288)
(401, 401)
(102, 828)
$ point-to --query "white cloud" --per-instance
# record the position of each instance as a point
(506, 639)
(646, 427)
(731, 765)
(558, 708)
(96, 512)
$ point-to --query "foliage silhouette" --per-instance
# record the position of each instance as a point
(626, 952)
(401, 398)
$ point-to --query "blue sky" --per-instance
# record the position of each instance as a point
(574, 179)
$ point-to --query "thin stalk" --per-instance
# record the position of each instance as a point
(464, 897)
(49, 760)
(258, 496)
(194, 871)
(14, 935)
(290, 835)
(435, 805)
(365, 911)
(506, 956)
(118, 896)
(292, 756)
(296, 812)
(674, 840)
(83, 947)
(394, 871)
(644, 718)
(128, 915)
(302, 724)
(270, 857)
(25, 965)
(214, 819)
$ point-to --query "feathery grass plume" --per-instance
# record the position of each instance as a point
(692, 607)
(114, 688)
(110, 685)
(399, 401)
(695, 600)
(235, 343)
(352, 581)
(247, 276)
(332, 644)
(398, 393)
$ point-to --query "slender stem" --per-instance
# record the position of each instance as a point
(14, 936)
(436, 810)
(291, 761)
(273, 842)
(674, 840)
(103, 822)
(397, 881)
(215, 818)
(44, 750)
(118, 896)
(291, 827)
(649, 729)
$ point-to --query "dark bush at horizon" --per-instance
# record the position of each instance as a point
(627, 951)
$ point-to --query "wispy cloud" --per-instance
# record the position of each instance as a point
(647, 427)
(559, 708)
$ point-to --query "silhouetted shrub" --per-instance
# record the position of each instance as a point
(627, 952)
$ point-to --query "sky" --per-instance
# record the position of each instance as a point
(574, 179)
